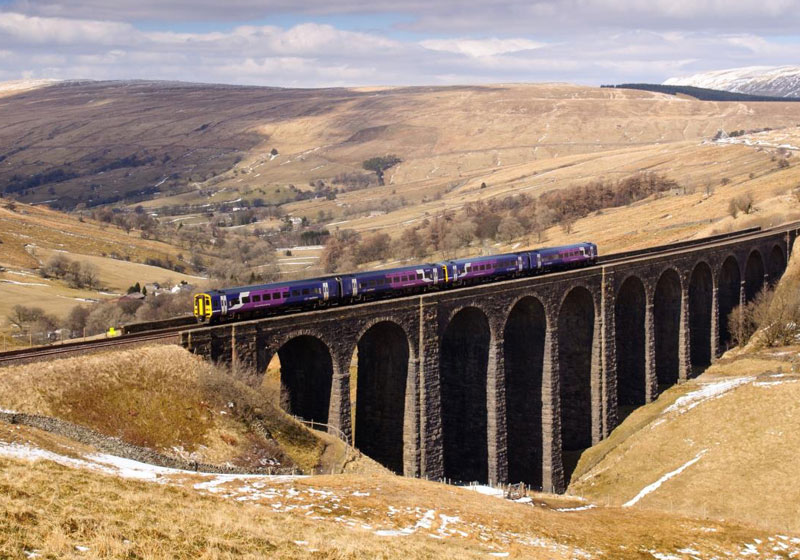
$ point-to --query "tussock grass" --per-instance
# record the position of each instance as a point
(164, 398)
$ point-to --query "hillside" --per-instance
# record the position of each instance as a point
(165, 399)
(67, 500)
(32, 235)
(778, 81)
(99, 142)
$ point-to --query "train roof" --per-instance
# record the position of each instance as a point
(286, 284)
(561, 247)
(387, 270)
(484, 257)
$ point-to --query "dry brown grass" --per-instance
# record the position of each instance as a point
(164, 398)
(749, 438)
(53, 509)
(30, 235)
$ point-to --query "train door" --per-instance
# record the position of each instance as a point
(355, 286)
(223, 303)
(326, 294)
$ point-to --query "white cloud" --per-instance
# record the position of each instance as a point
(480, 47)
(28, 30)
(315, 54)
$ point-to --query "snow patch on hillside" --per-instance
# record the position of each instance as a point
(778, 81)
(15, 86)
(707, 391)
(655, 485)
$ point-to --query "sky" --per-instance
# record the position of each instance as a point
(321, 43)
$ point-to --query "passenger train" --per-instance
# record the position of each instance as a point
(245, 302)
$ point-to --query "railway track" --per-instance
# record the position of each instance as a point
(172, 334)
(166, 336)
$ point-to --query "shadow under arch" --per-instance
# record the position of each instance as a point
(777, 264)
(629, 321)
(753, 275)
(464, 360)
(575, 347)
(306, 374)
(523, 339)
(382, 376)
(728, 293)
(666, 323)
(701, 300)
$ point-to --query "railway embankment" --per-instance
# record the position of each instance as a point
(161, 405)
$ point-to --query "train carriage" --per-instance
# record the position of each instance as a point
(392, 281)
(262, 299)
(562, 258)
(482, 269)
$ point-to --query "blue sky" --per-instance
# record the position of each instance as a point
(403, 42)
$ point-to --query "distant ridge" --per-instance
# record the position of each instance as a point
(775, 81)
(703, 94)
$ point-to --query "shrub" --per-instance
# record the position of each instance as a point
(742, 203)
(773, 316)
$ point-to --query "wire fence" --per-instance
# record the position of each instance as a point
(321, 426)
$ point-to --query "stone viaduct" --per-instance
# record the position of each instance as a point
(509, 381)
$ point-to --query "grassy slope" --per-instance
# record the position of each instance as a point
(749, 437)
(164, 398)
(53, 509)
(30, 235)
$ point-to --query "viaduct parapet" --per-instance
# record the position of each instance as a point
(509, 381)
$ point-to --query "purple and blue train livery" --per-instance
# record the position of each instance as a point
(312, 293)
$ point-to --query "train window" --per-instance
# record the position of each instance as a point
(246, 299)
(404, 278)
(256, 298)
(419, 276)
(305, 291)
(285, 295)
(234, 301)
(381, 281)
(295, 293)
(317, 291)
(372, 283)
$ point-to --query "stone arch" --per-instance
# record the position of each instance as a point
(575, 348)
(753, 275)
(383, 355)
(777, 264)
(666, 324)
(728, 293)
(306, 376)
(464, 361)
(523, 343)
(701, 299)
(629, 318)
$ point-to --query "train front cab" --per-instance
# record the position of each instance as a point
(202, 307)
